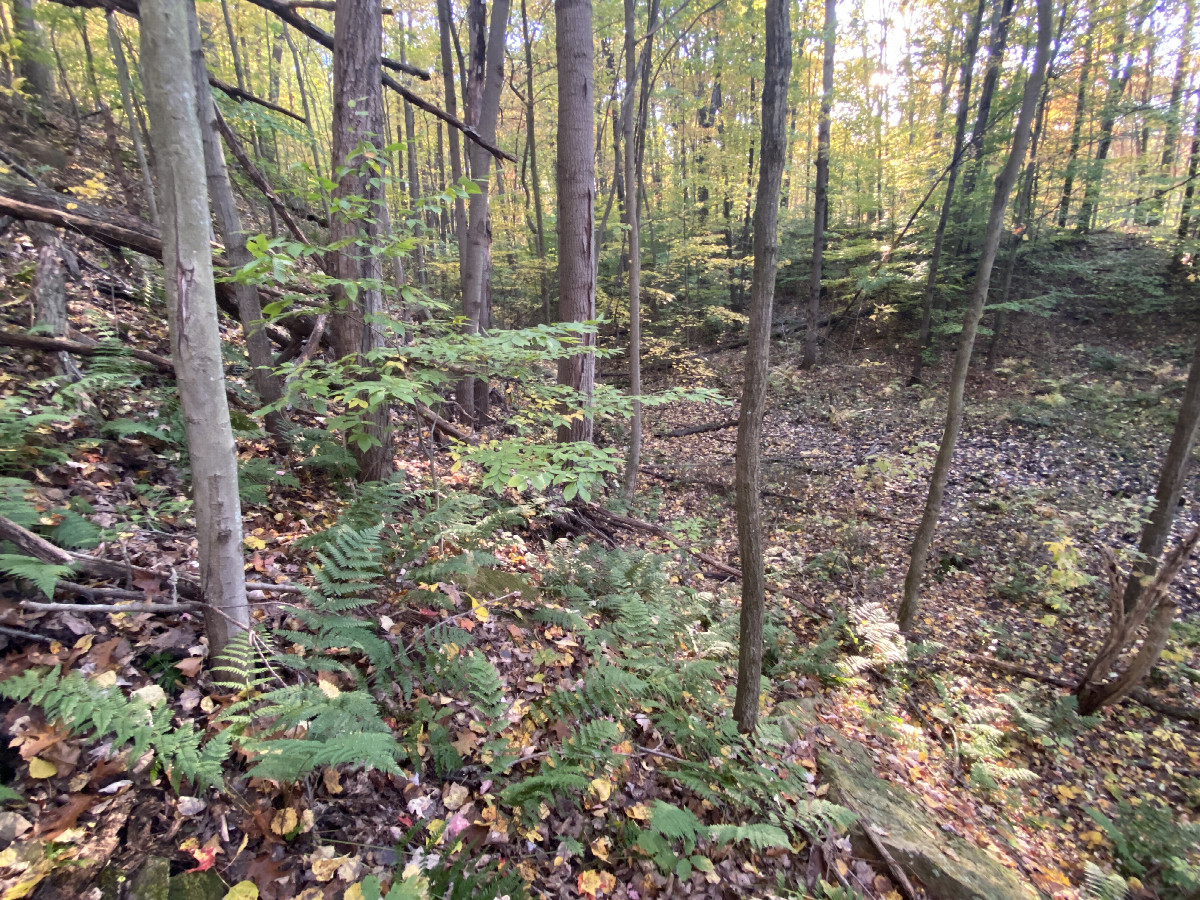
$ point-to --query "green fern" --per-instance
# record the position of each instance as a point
(106, 712)
(42, 575)
(1101, 885)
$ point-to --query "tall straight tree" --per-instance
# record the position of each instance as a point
(192, 314)
(776, 74)
(821, 190)
(576, 201)
(359, 222)
(966, 343)
(1085, 75)
(32, 56)
(472, 393)
(633, 223)
(939, 235)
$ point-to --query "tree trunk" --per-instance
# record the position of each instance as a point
(1185, 207)
(1170, 484)
(632, 220)
(358, 132)
(939, 235)
(1175, 107)
(1085, 74)
(1001, 19)
(577, 203)
(962, 361)
(1094, 175)
(821, 192)
(50, 294)
(32, 59)
(114, 44)
(192, 312)
(776, 74)
(445, 27)
(534, 176)
(229, 225)
(485, 92)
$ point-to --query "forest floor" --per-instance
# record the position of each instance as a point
(1060, 449)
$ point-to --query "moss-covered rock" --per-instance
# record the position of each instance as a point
(153, 882)
(197, 886)
(949, 867)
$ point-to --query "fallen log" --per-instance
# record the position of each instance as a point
(81, 348)
(698, 429)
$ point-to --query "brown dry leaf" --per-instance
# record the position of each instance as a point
(191, 666)
(285, 821)
(332, 779)
(66, 816)
(456, 795)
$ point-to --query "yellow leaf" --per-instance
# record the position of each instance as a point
(42, 768)
(243, 890)
(1094, 838)
(593, 884)
(456, 795)
(255, 543)
(602, 789)
(329, 689)
(285, 821)
(478, 609)
(72, 206)
(601, 848)
(638, 811)
(332, 780)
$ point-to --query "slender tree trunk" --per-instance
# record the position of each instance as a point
(486, 83)
(308, 119)
(32, 59)
(1175, 107)
(632, 220)
(1170, 485)
(1001, 20)
(939, 235)
(1094, 175)
(50, 293)
(229, 225)
(192, 312)
(777, 73)
(962, 361)
(1085, 74)
(534, 175)
(576, 202)
(445, 28)
(821, 192)
(1185, 208)
(358, 123)
(114, 43)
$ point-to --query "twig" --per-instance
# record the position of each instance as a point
(27, 635)
(270, 588)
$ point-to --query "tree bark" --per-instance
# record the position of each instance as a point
(358, 138)
(229, 223)
(534, 174)
(777, 73)
(486, 84)
(118, 53)
(633, 460)
(192, 312)
(1085, 74)
(32, 57)
(1170, 484)
(939, 235)
(962, 361)
(1185, 207)
(821, 190)
(50, 296)
(577, 203)
(987, 91)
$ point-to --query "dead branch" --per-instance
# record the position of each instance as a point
(238, 94)
(110, 608)
(698, 429)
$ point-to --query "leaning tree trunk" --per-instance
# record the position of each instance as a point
(192, 312)
(358, 124)
(229, 223)
(939, 235)
(777, 72)
(962, 361)
(118, 54)
(576, 202)
(821, 194)
(1170, 484)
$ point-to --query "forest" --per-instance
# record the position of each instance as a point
(594, 449)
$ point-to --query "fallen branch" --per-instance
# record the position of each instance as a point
(270, 588)
(698, 429)
(26, 635)
(442, 425)
(238, 94)
(111, 607)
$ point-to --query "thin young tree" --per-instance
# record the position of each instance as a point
(633, 223)
(821, 190)
(358, 138)
(956, 154)
(966, 344)
(123, 82)
(776, 74)
(192, 314)
(1081, 93)
(576, 202)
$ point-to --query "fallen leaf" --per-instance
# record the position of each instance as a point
(593, 884)
(41, 768)
(285, 822)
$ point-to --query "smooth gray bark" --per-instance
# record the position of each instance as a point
(229, 225)
(118, 53)
(632, 220)
(777, 72)
(821, 191)
(192, 312)
(962, 361)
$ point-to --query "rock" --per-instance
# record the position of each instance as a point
(197, 886)
(153, 882)
(12, 826)
(949, 867)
